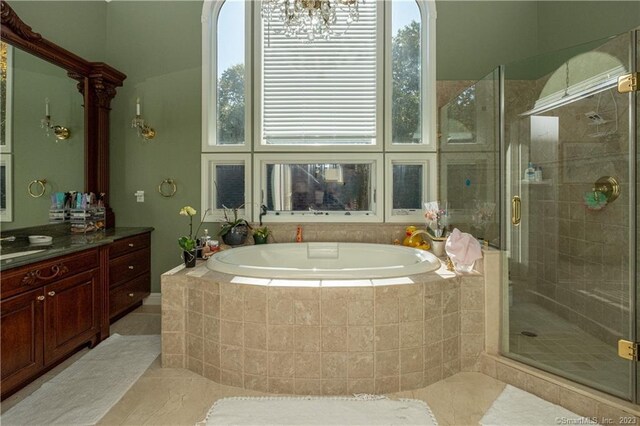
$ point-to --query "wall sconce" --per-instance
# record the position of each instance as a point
(60, 132)
(144, 130)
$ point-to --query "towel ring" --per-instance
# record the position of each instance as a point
(40, 184)
(171, 188)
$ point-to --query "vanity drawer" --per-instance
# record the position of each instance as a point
(127, 245)
(130, 265)
(38, 274)
(121, 298)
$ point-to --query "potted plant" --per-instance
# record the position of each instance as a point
(234, 232)
(260, 235)
(187, 242)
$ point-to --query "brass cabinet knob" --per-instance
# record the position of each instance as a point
(52, 293)
(40, 298)
(130, 294)
(130, 266)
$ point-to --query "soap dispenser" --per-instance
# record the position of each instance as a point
(530, 173)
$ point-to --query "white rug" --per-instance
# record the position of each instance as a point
(357, 410)
(85, 391)
(516, 407)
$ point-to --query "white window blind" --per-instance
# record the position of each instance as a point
(324, 92)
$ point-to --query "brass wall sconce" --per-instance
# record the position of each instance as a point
(144, 130)
(60, 132)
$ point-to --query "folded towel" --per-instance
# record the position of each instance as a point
(463, 248)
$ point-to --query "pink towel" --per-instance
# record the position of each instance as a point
(463, 248)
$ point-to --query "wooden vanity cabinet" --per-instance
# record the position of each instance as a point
(47, 311)
(129, 274)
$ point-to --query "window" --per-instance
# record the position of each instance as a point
(226, 183)
(330, 189)
(365, 93)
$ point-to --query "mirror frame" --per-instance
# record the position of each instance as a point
(97, 82)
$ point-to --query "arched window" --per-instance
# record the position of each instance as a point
(369, 88)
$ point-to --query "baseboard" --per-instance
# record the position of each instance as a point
(153, 299)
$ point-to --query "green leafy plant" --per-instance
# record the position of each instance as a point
(188, 242)
(229, 224)
(263, 232)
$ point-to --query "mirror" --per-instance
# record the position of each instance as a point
(32, 149)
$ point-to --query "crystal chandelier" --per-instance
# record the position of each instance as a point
(310, 18)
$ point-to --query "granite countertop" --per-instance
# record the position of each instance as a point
(64, 242)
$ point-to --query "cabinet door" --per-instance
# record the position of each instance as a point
(72, 314)
(21, 338)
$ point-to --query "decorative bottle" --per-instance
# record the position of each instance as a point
(530, 173)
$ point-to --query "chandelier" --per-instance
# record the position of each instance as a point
(310, 18)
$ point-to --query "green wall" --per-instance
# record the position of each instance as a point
(158, 45)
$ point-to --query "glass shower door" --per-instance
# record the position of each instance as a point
(569, 187)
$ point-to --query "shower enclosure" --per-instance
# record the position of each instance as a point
(568, 191)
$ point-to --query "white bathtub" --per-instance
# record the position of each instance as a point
(335, 261)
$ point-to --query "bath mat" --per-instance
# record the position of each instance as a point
(85, 391)
(517, 407)
(356, 410)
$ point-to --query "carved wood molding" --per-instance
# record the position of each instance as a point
(15, 24)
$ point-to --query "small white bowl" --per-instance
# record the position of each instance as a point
(40, 239)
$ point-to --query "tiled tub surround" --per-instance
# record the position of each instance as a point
(324, 341)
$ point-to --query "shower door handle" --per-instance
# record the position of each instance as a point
(516, 210)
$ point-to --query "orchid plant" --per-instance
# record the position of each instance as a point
(437, 218)
(188, 242)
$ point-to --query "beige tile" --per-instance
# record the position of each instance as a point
(211, 327)
(307, 338)
(231, 357)
(231, 309)
(194, 300)
(334, 387)
(386, 292)
(173, 298)
(334, 339)
(334, 365)
(613, 416)
(308, 365)
(255, 292)
(361, 386)
(432, 356)
(173, 343)
(255, 336)
(195, 346)
(387, 384)
(280, 338)
(212, 353)
(450, 349)
(432, 305)
(281, 364)
(360, 312)
(574, 401)
(194, 323)
(256, 362)
(306, 312)
(334, 312)
(360, 293)
(411, 381)
(432, 375)
(450, 368)
(211, 304)
(450, 301)
(410, 291)
(411, 334)
(195, 365)
(411, 309)
(387, 337)
(258, 383)
(471, 345)
(472, 295)
(280, 311)
(173, 320)
(255, 310)
(387, 363)
(542, 388)
(360, 339)
(472, 322)
(488, 366)
(233, 291)
(231, 333)
(278, 385)
(450, 325)
(211, 372)
(173, 361)
(411, 360)
(433, 330)
(231, 378)
(307, 386)
(433, 286)
(510, 375)
(386, 311)
(360, 365)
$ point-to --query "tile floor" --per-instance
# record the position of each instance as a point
(566, 349)
(179, 397)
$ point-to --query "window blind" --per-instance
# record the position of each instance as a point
(321, 92)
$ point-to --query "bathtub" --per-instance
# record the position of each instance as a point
(323, 261)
